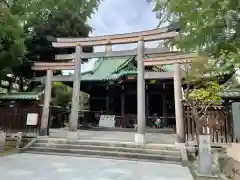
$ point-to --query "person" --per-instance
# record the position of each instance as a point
(154, 118)
(156, 121)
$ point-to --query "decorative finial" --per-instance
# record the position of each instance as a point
(78, 44)
(140, 38)
(108, 41)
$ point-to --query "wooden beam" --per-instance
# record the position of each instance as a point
(155, 63)
(64, 78)
(40, 66)
(147, 75)
(165, 58)
(158, 75)
(147, 51)
(171, 59)
(116, 36)
(111, 41)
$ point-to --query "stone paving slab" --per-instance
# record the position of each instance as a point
(115, 136)
(49, 167)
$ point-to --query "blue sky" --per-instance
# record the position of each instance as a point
(121, 16)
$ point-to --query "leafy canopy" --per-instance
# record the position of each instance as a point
(11, 38)
(26, 26)
(212, 26)
(206, 96)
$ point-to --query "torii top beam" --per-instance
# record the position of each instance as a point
(150, 35)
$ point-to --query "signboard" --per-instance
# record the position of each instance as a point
(236, 120)
(32, 119)
(107, 121)
(205, 154)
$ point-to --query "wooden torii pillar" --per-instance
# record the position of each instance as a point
(175, 60)
(47, 81)
(73, 120)
(141, 117)
(46, 103)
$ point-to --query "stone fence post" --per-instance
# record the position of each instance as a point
(2, 140)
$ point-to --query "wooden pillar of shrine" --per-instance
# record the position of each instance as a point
(73, 121)
(46, 103)
(107, 100)
(122, 107)
(147, 104)
(141, 118)
(164, 105)
(178, 104)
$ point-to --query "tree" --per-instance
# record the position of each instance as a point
(212, 26)
(202, 91)
(66, 19)
(11, 39)
(61, 93)
(34, 22)
(206, 26)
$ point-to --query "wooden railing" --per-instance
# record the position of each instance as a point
(219, 127)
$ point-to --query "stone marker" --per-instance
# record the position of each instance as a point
(205, 155)
(2, 141)
(235, 116)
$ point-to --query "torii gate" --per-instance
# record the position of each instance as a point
(162, 56)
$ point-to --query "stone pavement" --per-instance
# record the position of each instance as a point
(166, 138)
(47, 167)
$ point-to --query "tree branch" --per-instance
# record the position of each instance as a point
(6, 3)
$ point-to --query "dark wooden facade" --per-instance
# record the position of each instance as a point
(14, 108)
(120, 98)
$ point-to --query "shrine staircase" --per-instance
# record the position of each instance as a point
(113, 150)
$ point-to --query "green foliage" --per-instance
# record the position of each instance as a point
(205, 96)
(212, 26)
(201, 78)
(11, 39)
(26, 26)
(61, 93)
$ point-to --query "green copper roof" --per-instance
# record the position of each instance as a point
(230, 93)
(106, 69)
(21, 96)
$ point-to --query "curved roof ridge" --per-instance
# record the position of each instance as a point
(124, 64)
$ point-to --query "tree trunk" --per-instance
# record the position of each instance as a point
(21, 84)
(9, 87)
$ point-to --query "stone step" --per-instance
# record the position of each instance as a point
(140, 156)
(104, 157)
(110, 148)
(109, 143)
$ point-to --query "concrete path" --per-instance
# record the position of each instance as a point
(48, 167)
(115, 136)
